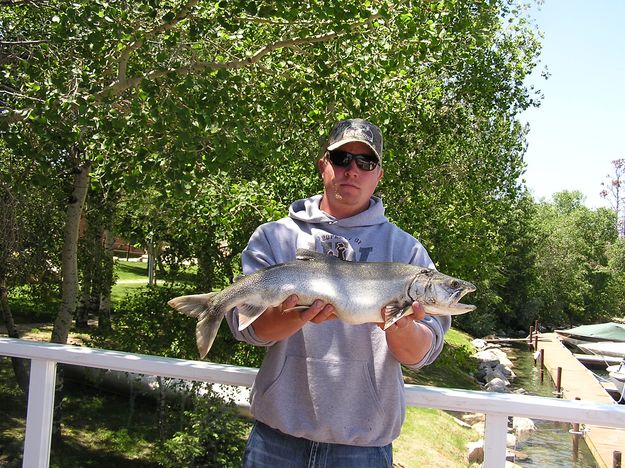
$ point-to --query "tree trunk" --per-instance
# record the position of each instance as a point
(69, 273)
(104, 312)
(20, 366)
(69, 264)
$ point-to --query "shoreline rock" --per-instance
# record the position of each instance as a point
(495, 374)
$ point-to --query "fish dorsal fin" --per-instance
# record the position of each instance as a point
(307, 255)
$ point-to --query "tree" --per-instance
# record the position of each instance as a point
(612, 192)
(163, 99)
(572, 261)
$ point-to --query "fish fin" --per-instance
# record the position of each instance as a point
(298, 307)
(248, 313)
(307, 255)
(205, 333)
(393, 312)
(193, 305)
(201, 306)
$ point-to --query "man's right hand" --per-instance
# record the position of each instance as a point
(282, 321)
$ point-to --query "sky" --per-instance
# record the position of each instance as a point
(579, 128)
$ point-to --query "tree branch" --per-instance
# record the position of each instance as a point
(125, 55)
(122, 85)
(22, 42)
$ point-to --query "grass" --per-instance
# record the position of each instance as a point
(432, 438)
(98, 429)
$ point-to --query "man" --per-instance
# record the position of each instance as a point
(329, 393)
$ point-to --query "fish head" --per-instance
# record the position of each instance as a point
(440, 294)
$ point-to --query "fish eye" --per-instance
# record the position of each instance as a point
(455, 284)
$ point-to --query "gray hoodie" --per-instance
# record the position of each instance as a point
(333, 382)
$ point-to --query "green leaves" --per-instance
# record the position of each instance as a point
(187, 121)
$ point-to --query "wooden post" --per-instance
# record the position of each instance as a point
(535, 338)
(616, 459)
(531, 338)
(542, 366)
(576, 433)
(559, 382)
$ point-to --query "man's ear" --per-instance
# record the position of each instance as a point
(321, 164)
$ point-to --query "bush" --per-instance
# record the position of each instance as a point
(210, 433)
(213, 436)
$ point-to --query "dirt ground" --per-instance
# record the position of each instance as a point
(42, 332)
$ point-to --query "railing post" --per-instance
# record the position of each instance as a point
(39, 414)
(495, 439)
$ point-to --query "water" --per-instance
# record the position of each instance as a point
(551, 444)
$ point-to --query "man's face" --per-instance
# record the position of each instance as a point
(347, 190)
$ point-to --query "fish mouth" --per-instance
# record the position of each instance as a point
(457, 306)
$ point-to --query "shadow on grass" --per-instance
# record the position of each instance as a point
(97, 427)
(131, 269)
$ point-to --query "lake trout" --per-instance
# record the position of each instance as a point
(357, 290)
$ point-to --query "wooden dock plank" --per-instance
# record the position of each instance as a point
(579, 382)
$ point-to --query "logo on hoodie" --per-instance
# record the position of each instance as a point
(340, 247)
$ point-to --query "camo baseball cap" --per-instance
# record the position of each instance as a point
(361, 130)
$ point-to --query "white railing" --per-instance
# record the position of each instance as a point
(497, 407)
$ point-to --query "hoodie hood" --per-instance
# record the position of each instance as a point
(307, 210)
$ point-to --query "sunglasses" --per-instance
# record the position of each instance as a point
(339, 158)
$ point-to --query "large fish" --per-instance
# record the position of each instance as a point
(357, 290)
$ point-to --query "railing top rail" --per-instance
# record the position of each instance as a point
(431, 397)
(129, 362)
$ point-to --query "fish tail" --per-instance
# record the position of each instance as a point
(209, 317)
(392, 313)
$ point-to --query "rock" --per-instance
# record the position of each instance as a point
(478, 343)
(488, 357)
(475, 452)
(502, 357)
(497, 385)
(473, 418)
(479, 427)
(496, 374)
(506, 371)
(523, 427)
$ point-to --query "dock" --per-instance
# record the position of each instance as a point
(579, 383)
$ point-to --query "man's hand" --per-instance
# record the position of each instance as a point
(418, 313)
(280, 322)
(408, 339)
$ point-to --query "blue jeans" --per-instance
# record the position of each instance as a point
(270, 448)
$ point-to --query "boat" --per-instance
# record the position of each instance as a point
(609, 331)
(617, 376)
(604, 348)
